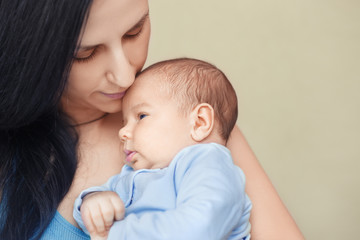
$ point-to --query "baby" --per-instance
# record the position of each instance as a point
(179, 181)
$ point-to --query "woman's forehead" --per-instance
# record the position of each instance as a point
(112, 18)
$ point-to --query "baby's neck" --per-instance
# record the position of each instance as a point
(214, 138)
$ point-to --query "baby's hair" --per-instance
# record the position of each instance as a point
(192, 81)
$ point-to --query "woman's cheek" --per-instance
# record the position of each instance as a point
(140, 49)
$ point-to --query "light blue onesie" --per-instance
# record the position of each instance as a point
(201, 195)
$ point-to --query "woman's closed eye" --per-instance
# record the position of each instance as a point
(134, 33)
(137, 29)
(85, 55)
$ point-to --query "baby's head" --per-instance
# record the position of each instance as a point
(174, 104)
(191, 82)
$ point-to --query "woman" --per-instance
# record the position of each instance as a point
(64, 66)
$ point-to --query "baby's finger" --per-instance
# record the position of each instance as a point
(98, 220)
(86, 216)
(108, 214)
(98, 237)
(119, 208)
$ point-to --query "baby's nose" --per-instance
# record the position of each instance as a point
(124, 134)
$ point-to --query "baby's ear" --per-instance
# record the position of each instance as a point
(202, 121)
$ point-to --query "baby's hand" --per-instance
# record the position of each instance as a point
(99, 210)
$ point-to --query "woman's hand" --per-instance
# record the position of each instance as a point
(99, 210)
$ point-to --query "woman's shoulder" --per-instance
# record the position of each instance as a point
(59, 228)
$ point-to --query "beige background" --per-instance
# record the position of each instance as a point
(295, 65)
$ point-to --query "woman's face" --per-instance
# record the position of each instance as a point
(112, 49)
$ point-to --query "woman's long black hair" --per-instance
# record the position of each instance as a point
(38, 39)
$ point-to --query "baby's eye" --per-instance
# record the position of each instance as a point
(142, 115)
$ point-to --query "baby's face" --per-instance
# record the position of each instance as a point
(154, 130)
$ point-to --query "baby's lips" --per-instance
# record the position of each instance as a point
(129, 155)
(127, 152)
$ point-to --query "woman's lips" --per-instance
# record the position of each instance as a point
(114, 95)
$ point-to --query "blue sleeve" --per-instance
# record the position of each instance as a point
(210, 202)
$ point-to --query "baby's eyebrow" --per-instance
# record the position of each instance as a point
(139, 105)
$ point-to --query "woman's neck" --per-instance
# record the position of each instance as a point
(81, 115)
(90, 121)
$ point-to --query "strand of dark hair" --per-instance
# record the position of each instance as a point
(38, 39)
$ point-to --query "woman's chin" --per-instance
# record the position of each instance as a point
(111, 108)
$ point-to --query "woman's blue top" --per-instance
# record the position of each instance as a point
(60, 229)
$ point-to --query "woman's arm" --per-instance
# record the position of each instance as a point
(269, 217)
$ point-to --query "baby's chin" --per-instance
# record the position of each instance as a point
(159, 166)
(146, 165)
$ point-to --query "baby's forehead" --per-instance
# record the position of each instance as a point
(155, 84)
(158, 74)
(152, 79)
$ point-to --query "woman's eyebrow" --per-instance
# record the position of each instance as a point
(140, 22)
(86, 48)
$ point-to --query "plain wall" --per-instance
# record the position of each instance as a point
(295, 65)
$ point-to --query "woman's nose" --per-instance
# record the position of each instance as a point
(120, 71)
